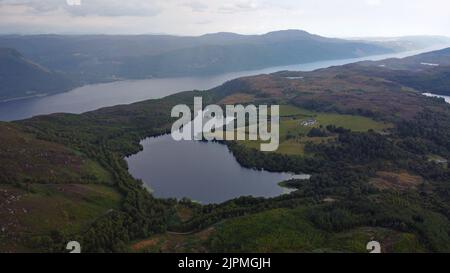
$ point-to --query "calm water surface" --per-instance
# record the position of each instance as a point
(92, 97)
(203, 171)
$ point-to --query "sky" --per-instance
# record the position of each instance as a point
(333, 18)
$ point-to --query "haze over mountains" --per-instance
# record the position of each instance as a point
(408, 42)
(77, 162)
(359, 126)
(428, 72)
(68, 61)
(102, 58)
(20, 77)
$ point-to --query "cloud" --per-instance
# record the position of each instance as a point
(343, 18)
(196, 6)
(73, 2)
(203, 22)
(89, 7)
(239, 6)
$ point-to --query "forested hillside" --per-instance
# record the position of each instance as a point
(20, 77)
(385, 178)
(97, 58)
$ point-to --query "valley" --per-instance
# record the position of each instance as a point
(371, 177)
(94, 96)
(104, 58)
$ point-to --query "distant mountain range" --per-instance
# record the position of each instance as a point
(66, 61)
(427, 72)
(20, 77)
(408, 42)
(378, 159)
(101, 57)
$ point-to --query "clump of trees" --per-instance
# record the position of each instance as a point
(341, 168)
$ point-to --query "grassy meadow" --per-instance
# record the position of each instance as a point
(294, 135)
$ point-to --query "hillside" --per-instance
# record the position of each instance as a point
(372, 156)
(409, 42)
(428, 72)
(421, 62)
(56, 63)
(20, 77)
(46, 188)
(94, 58)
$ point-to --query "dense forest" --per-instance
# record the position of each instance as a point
(342, 169)
(362, 172)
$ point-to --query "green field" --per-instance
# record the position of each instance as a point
(293, 135)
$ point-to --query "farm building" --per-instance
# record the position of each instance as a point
(309, 122)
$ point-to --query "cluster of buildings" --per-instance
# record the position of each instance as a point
(309, 122)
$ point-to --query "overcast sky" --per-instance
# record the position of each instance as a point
(338, 18)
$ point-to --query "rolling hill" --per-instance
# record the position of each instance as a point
(375, 179)
(20, 77)
(56, 63)
(94, 58)
(428, 72)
